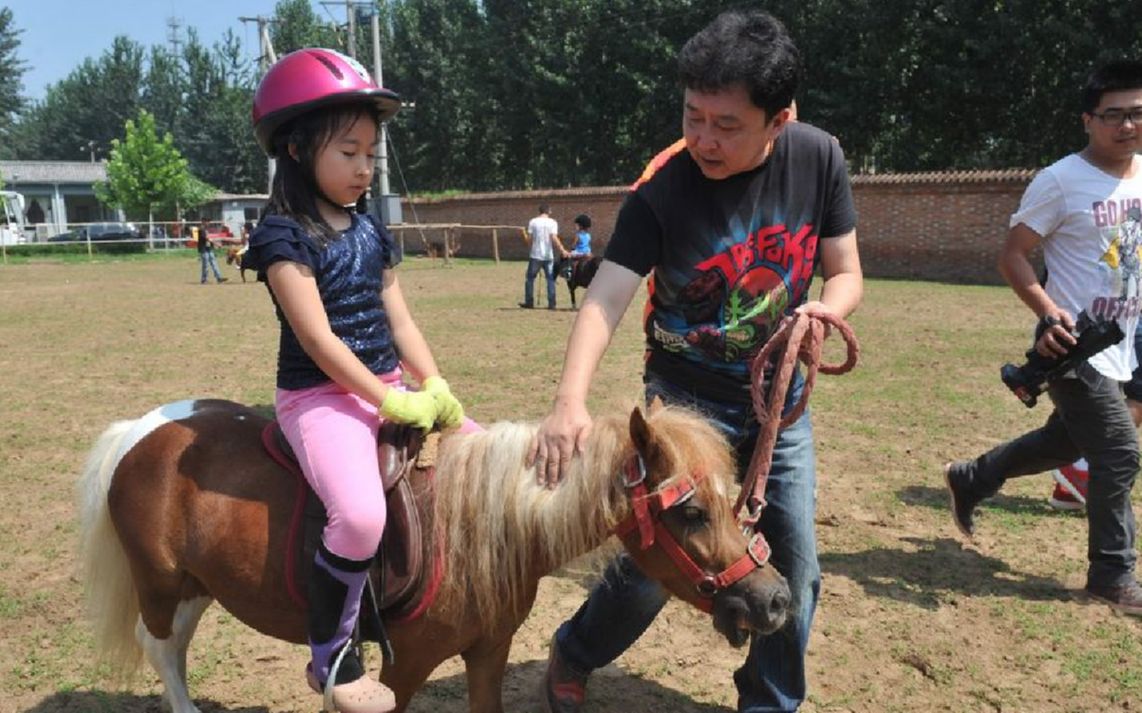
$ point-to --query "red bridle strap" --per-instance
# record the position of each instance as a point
(644, 517)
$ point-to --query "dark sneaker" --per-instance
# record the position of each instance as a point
(564, 689)
(963, 501)
(526, 305)
(1126, 598)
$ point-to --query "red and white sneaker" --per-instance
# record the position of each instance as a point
(1070, 486)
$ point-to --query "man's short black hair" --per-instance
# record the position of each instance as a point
(751, 48)
(1111, 77)
(543, 208)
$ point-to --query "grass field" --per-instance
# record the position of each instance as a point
(912, 618)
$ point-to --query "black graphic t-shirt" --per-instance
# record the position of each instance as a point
(730, 258)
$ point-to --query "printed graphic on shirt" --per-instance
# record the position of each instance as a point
(1123, 221)
(739, 296)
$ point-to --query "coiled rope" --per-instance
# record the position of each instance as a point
(800, 337)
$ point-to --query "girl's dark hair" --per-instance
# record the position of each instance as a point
(294, 193)
(1110, 77)
(751, 48)
(583, 220)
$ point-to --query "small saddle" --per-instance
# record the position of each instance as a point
(401, 571)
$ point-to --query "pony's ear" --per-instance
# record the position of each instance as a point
(656, 404)
(640, 432)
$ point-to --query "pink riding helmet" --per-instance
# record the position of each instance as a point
(312, 78)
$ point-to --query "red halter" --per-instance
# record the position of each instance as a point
(644, 517)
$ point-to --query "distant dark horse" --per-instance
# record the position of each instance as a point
(578, 272)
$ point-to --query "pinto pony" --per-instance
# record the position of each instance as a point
(184, 507)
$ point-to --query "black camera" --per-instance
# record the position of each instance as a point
(1029, 380)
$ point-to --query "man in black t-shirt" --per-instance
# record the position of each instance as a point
(730, 224)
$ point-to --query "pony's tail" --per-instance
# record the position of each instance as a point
(112, 602)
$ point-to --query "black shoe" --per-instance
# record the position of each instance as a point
(525, 305)
(551, 307)
(1126, 598)
(564, 689)
(963, 501)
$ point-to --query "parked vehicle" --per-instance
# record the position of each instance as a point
(99, 232)
(11, 218)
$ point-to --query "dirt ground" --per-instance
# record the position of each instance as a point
(911, 617)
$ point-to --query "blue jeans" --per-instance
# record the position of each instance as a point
(623, 605)
(533, 268)
(207, 258)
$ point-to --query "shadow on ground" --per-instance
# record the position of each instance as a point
(927, 572)
(612, 691)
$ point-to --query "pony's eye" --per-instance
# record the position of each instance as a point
(693, 515)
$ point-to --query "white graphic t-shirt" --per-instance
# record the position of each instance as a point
(1091, 225)
(541, 228)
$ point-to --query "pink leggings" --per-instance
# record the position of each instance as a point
(334, 434)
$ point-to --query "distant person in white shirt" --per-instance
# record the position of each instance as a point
(543, 237)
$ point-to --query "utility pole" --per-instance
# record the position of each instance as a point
(351, 18)
(389, 204)
(383, 152)
(351, 13)
(266, 57)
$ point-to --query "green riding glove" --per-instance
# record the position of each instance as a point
(417, 408)
(449, 412)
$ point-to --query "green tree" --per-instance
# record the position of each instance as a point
(164, 89)
(214, 131)
(87, 109)
(296, 25)
(11, 71)
(147, 173)
(440, 67)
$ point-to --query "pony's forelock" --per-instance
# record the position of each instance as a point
(501, 530)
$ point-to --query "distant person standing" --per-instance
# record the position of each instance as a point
(542, 234)
(206, 254)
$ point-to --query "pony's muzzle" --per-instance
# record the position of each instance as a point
(757, 604)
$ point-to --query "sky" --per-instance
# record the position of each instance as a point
(57, 35)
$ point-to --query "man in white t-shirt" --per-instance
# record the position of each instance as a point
(1086, 212)
(542, 236)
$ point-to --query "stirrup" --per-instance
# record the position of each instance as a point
(331, 681)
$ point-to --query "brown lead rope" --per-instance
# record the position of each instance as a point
(802, 336)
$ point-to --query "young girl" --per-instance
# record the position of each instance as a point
(582, 237)
(346, 333)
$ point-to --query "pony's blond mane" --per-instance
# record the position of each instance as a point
(502, 531)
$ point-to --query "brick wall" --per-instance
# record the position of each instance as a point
(929, 226)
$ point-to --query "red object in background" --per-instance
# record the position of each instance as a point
(219, 234)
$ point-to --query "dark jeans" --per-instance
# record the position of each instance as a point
(623, 605)
(1090, 419)
(1133, 388)
(533, 268)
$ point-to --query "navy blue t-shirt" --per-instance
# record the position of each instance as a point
(349, 271)
(730, 257)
